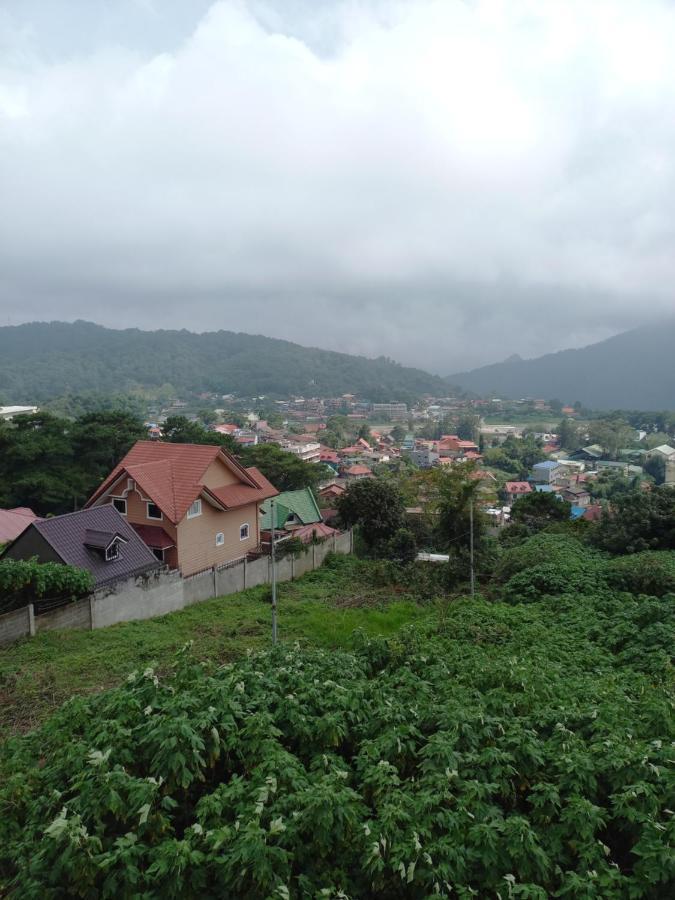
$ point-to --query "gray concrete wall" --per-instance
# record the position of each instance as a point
(72, 615)
(285, 569)
(303, 564)
(257, 572)
(140, 598)
(15, 625)
(230, 581)
(200, 587)
(164, 592)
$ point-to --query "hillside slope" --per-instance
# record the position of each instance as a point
(632, 370)
(43, 360)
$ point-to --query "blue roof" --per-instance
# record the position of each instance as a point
(547, 464)
(577, 512)
(545, 488)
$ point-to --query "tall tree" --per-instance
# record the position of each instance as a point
(376, 506)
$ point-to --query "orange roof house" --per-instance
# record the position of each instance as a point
(194, 505)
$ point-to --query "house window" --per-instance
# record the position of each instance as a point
(243, 532)
(195, 509)
(120, 505)
(158, 553)
(153, 511)
(220, 539)
(112, 552)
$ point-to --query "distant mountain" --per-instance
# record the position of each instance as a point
(632, 370)
(43, 360)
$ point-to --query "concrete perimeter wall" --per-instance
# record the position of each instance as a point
(165, 592)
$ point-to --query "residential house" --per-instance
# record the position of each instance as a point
(307, 451)
(99, 540)
(546, 472)
(452, 447)
(194, 505)
(576, 495)
(14, 521)
(356, 473)
(593, 452)
(515, 489)
(331, 492)
(296, 514)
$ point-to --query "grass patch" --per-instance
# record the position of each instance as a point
(323, 608)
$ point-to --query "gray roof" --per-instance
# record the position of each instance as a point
(68, 534)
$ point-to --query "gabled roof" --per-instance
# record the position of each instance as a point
(171, 476)
(357, 470)
(518, 487)
(301, 503)
(547, 464)
(68, 536)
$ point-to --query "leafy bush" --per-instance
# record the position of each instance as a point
(23, 581)
(505, 754)
(650, 572)
(559, 550)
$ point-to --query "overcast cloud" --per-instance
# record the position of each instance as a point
(443, 182)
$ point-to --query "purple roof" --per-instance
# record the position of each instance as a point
(68, 535)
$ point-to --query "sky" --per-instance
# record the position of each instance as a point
(445, 182)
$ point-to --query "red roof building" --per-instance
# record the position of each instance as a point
(195, 505)
(515, 489)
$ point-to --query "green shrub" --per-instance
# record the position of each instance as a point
(649, 572)
(506, 755)
(23, 581)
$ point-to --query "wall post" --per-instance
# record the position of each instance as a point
(31, 620)
(245, 565)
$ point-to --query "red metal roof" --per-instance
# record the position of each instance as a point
(154, 536)
(14, 521)
(234, 495)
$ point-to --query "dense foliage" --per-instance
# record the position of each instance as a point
(643, 520)
(41, 360)
(52, 464)
(24, 581)
(375, 505)
(507, 751)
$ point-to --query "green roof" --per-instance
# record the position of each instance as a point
(301, 503)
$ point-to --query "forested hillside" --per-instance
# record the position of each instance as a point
(43, 360)
(633, 370)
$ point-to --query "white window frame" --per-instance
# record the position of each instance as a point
(123, 500)
(112, 552)
(158, 518)
(220, 539)
(195, 509)
(248, 531)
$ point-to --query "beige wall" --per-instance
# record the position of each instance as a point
(197, 548)
(137, 512)
(219, 474)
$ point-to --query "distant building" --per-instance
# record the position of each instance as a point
(515, 489)
(8, 412)
(309, 451)
(397, 412)
(546, 472)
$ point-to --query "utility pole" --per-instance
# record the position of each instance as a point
(274, 579)
(473, 577)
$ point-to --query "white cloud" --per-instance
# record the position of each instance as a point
(445, 182)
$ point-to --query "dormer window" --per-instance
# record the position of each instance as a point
(113, 551)
(195, 509)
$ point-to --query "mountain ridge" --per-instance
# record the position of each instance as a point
(40, 361)
(631, 370)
